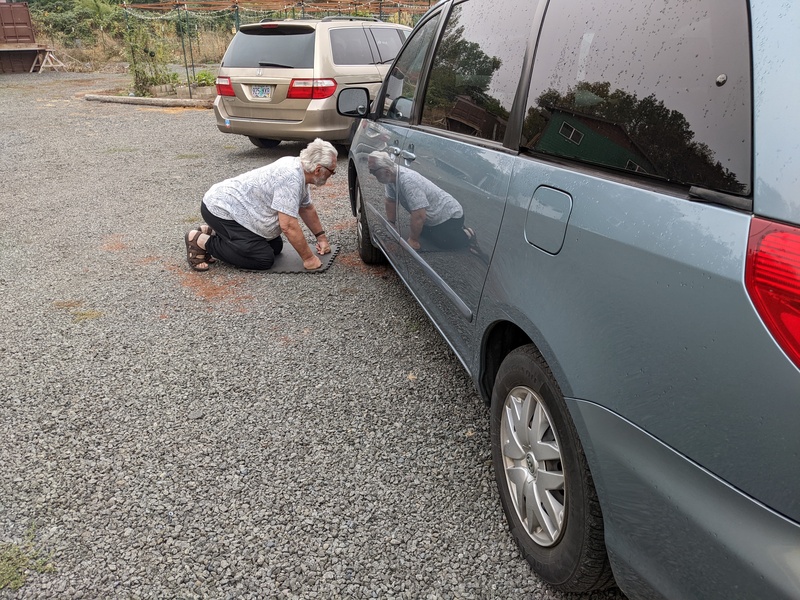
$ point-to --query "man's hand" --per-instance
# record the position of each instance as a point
(313, 263)
(323, 247)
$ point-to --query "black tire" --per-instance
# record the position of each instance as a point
(368, 253)
(570, 553)
(263, 142)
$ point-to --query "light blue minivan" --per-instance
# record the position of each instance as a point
(597, 203)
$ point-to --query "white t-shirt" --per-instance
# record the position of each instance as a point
(418, 192)
(255, 198)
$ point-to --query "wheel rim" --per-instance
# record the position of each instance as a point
(532, 464)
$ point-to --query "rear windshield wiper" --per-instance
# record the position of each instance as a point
(271, 64)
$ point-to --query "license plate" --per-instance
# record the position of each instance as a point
(262, 91)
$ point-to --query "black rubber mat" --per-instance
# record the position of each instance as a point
(289, 261)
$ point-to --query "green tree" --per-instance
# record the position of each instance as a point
(461, 67)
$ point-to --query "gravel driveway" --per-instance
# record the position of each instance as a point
(172, 434)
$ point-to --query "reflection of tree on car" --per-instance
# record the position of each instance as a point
(458, 94)
(660, 136)
(434, 214)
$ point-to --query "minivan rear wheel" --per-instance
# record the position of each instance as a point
(366, 250)
(263, 142)
(545, 486)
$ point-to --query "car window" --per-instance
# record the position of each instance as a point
(476, 68)
(351, 47)
(659, 88)
(402, 83)
(269, 46)
(388, 41)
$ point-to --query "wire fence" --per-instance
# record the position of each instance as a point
(253, 11)
(201, 31)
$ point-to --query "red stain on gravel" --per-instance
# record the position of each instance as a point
(114, 243)
(347, 225)
(215, 288)
(352, 260)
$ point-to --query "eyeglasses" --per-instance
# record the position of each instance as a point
(331, 171)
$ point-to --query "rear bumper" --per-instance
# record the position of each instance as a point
(318, 122)
(673, 529)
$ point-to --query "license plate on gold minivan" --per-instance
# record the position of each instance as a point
(262, 91)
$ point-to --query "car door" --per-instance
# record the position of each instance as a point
(377, 146)
(453, 171)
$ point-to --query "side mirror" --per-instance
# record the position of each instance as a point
(400, 109)
(353, 102)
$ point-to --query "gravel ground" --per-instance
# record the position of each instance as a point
(172, 434)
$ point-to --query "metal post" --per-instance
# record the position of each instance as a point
(189, 33)
(130, 39)
(236, 16)
(185, 64)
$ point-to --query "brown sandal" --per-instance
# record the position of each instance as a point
(195, 255)
(206, 229)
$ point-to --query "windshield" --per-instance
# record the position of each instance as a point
(290, 47)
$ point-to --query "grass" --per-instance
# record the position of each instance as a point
(17, 561)
(75, 308)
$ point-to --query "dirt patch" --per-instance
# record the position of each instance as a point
(214, 287)
(170, 110)
(352, 260)
(114, 243)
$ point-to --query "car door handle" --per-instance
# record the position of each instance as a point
(409, 156)
(393, 150)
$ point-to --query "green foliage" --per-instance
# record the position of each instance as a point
(148, 57)
(205, 77)
(19, 560)
(462, 68)
(76, 22)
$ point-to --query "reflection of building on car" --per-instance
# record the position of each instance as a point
(468, 117)
(601, 141)
(279, 80)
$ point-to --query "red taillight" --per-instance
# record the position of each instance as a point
(772, 277)
(311, 89)
(224, 87)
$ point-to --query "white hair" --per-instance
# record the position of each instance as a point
(318, 152)
(380, 160)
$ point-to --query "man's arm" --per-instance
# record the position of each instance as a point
(311, 219)
(390, 206)
(291, 229)
(418, 217)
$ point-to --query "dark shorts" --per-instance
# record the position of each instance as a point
(239, 246)
(449, 235)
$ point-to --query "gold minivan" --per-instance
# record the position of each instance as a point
(279, 80)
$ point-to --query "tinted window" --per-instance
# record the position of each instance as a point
(388, 41)
(271, 46)
(402, 83)
(476, 68)
(659, 88)
(350, 47)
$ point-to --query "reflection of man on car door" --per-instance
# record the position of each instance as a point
(434, 214)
